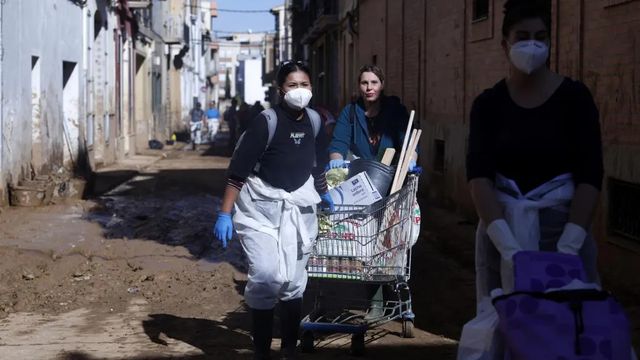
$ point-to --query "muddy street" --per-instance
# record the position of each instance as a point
(135, 273)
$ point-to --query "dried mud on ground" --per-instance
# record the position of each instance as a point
(135, 274)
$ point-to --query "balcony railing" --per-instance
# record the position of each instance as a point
(138, 4)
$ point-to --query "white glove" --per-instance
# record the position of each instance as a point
(571, 239)
(502, 237)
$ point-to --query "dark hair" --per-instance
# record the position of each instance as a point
(516, 11)
(373, 69)
(289, 66)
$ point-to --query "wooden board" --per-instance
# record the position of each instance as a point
(405, 142)
(415, 138)
(387, 158)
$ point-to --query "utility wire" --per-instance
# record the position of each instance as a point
(228, 10)
(243, 11)
(270, 31)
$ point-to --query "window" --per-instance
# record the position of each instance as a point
(480, 9)
(624, 209)
(438, 161)
(481, 20)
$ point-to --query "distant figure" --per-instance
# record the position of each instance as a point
(197, 118)
(213, 121)
(328, 120)
(243, 117)
(231, 117)
(255, 110)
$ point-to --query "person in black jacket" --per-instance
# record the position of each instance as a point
(534, 161)
(276, 179)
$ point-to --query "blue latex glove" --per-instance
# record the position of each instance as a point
(336, 163)
(327, 201)
(412, 165)
(223, 228)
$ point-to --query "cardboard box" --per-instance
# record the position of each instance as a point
(357, 190)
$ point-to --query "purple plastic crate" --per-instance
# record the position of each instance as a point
(541, 270)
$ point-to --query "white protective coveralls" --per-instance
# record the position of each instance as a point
(277, 230)
(213, 124)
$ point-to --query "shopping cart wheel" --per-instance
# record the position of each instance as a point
(407, 328)
(357, 344)
(307, 342)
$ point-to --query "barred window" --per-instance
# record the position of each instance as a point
(624, 209)
(439, 156)
(480, 9)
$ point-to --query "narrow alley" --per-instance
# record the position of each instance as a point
(125, 167)
(135, 273)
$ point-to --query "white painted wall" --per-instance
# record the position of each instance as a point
(194, 69)
(253, 89)
(48, 29)
(71, 115)
(100, 80)
(232, 52)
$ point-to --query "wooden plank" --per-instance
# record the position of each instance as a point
(405, 142)
(396, 185)
(388, 156)
(405, 165)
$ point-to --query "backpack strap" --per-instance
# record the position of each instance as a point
(272, 123)
(316, 121)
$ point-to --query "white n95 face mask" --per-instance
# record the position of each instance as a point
(298, 99)
(529, 55)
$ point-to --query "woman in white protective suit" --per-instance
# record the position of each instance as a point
(534, 160)
(276, 179)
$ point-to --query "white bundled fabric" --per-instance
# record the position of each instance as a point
(284, 224)
(480, 340)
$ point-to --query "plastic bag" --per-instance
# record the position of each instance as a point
(416, 219)
(336, 177)
(480, 340)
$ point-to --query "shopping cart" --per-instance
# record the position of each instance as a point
(365, 245)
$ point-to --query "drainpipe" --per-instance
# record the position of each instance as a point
(85, 87)
(1, 99)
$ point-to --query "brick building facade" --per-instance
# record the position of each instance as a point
(438, 55)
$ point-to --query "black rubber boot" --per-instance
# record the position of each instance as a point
(262, 333)
(290, 316)
(376, 307)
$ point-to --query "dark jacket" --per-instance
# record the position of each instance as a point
(351, 132)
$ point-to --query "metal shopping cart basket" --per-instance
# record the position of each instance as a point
(365, 245)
